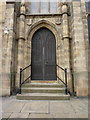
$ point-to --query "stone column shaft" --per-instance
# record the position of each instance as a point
(59, 44)
(21, 41)
(66, 41)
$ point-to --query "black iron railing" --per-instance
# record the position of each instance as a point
(22, 82)
(64, 82)
(65, 74)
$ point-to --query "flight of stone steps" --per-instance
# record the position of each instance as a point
(43, 91)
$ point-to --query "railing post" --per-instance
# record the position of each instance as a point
(20, 80)
(66, 90)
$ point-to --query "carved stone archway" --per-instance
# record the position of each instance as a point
(34, 28)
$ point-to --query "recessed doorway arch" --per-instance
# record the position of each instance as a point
(32, 29)
(43, 55)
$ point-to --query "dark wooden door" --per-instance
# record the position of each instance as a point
(43, 55)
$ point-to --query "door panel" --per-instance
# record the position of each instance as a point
(36, 72)
(50, 57)
(43, 55)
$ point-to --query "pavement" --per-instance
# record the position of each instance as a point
(73, 108)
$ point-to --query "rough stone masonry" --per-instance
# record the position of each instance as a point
(69, 26)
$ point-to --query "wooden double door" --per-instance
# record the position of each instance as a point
(43, 55)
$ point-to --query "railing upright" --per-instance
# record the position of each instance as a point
(65, 83)
(66, 90)
(20, 81)
(65, 71)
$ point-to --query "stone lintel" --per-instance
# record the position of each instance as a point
(65, 9)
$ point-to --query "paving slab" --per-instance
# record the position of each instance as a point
(64, 115)
(40, 116)
(36, 107)
(13, 107)
(19, 115)
(82, 115)
(0, 115)
(80, 107)
(6, 115)
(73, 108)
(60, 107)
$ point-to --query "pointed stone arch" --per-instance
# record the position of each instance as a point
(40, 24)
(36, 26)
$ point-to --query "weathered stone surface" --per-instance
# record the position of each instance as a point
(19, 115)
(69, 27)
(13, 107)
(36, 107)
(33, 115)
(73, 108)
(6, 115)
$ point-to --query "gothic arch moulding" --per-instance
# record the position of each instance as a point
(40, 24)
(35, 27)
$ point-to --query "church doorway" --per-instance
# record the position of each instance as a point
(43, 55)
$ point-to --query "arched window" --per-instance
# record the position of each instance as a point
(33, 7)
(53, 6)
(88, 17)
(87, 5)
(89, 27)
(43, 6)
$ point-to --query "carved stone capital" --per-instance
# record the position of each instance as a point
(23, 9)
(64, 3)
(22, 3)
(64, 8)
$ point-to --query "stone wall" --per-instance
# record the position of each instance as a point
(70, 29)
(79, 49)
(2, 21)
(8, 49)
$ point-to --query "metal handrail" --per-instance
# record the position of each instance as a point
(26, 67)
(65, 83)
(61, 67)
(21, 83)
(61, 80)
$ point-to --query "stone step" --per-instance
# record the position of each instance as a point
(42, 96)
(43, 81)
(43, 85)
(43, 90)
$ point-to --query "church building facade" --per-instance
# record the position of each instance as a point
(48, 36)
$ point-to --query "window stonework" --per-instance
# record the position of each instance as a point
(89, 27)
(53, 7)
(43, 7)
(88, 6)
(33, 7)
(88, 17)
